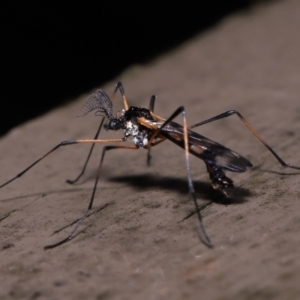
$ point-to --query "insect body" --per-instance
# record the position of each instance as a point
(145, 129)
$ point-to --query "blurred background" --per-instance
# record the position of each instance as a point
(52, 52)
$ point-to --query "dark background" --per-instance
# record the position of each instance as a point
(55, 51)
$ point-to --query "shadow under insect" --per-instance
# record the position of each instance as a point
(204, 190)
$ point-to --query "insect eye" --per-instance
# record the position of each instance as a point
(112, 125)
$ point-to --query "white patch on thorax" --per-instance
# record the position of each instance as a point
(140, 139)
(131, 129)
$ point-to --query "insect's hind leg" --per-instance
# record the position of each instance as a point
(181, 110)
(82, 218)
(254, 132)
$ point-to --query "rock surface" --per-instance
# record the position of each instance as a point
(135, 247)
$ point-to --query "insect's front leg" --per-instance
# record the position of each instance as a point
(88, 157)
(67, 143)
(90, 206)
(119, 87)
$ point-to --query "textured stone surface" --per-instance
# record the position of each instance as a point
(136, 247)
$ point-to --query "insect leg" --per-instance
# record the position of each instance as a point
(152, 103)
(181, 110)
(88, 157)
(119, 86)
(255, 133)
(64, 143)
(80, 220)
(151, 108)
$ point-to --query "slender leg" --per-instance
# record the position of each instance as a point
(119, 87)
(71, 235)
(88, 157)
(151, 108)
(64, 143)
(255, 133)
(152, 103)
(204, 237)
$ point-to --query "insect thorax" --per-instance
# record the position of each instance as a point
(139, 133)
(132, 128)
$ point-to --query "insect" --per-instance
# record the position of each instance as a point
(145, 129)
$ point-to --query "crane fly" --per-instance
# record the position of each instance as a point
(145, 129)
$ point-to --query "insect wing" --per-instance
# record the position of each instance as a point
(206, 149)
